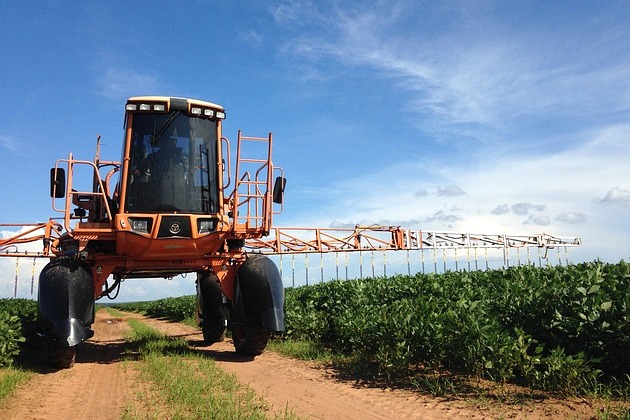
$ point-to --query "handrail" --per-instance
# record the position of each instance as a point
(70, 193)
(229, 164)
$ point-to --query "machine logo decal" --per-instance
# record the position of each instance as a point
(175, 228)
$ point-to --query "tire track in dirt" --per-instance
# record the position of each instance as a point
(98, 386)
(311, 391)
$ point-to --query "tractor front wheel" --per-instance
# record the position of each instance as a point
(249, 341)
(61, 357)
(213, 330)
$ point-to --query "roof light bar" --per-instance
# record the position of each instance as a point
(194, 109)
(160, 107)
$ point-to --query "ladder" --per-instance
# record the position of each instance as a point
(251, 203)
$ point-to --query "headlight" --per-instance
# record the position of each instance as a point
(141, 225)
(205, 225)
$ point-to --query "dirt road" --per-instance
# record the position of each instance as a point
(103, 386)
(97, 386)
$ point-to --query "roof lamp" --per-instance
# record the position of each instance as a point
(158, 107)
(145, 107)
(220, 114)
(195, 111)
(131, 107)
(208, 112)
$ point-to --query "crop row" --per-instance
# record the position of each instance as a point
(554, 328)
(17, 321)
(175, 309)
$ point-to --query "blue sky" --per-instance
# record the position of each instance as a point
(488, 116)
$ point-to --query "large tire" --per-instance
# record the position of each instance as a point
(213, 331)
(249, 341)
(209, 315)
(259, 294)
(61, 357)
(65, 302)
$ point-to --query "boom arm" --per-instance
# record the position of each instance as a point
(294, 240)
(361, 238)
(48, 233)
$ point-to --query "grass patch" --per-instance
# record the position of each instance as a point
(10, 379)
(614, 413)
(301, 349)
(114, 312)
(147, 341)
(190, 383)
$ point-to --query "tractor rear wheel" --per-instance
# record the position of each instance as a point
(249, 341)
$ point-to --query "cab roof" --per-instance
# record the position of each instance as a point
(169, 99)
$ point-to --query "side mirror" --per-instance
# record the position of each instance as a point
(57, 182)
(278, 189)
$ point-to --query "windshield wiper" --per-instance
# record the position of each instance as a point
(157, 135)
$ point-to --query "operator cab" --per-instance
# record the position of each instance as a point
(172, 156)
(171, 176)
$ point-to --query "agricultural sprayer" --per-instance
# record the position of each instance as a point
(174, 205)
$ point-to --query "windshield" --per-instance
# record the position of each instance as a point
(173, 164)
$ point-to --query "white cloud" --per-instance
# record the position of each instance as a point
(252, 38)
(525, 208)
(450, 190)
(7, 143)
(468, 81)
(295, 12)
(421, 193)
(572, 218)
(565, 181)
(117, 82)
(444, 218)
(501, 209)
(537, 220)
(617, 196)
